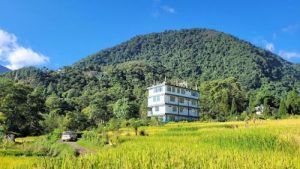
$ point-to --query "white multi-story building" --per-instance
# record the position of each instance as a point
(173, 103)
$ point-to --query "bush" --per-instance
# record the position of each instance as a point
(61, 150)
(114, 124)
(95, 138)
(55, 135)
(244, 116)
(143, 133)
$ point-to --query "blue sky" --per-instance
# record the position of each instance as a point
(57, 33)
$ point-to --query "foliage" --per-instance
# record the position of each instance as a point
(75, 121)
(123, 109)
(293, 102)
(219, 95)
(22, 107)
(282, 108)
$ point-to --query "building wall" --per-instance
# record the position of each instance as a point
(158, 110)
(173, 101)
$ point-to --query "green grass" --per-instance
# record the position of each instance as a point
(266, 144)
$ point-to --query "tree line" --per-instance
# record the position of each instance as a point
(28, 111)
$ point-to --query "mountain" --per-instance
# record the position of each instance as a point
(3, 69)
(194, 55)
(200, 54)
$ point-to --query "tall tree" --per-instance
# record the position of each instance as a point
(216, 97)
(233, 109)
(22, 108)
(266, 109)
(293, 102)
(282, 108)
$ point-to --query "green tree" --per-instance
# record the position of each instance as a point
(22, 108)
(266, 109)
(122, 109)
(135, 124)
(233, 109)
(282, 108)
(251, 105)
(75, 121)
(217, 97)
(293, 102)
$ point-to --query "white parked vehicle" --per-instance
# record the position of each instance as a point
(69, 136)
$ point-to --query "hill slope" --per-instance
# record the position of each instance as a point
(3, 69)
(200, 54)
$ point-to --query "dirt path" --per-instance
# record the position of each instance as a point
(79, 149)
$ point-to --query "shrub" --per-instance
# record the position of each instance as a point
(95, 138)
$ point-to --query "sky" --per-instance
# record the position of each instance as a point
(57, 33)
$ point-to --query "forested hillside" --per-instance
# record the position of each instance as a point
(90, 89)
(200, 54)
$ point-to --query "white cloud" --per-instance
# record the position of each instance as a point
(270, 46)
(291, 28)
(160, 8)
(25, 57)
(17, 56)
(289, 55)
(168, 9)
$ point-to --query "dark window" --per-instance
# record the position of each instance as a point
(181, 109)
(182, 91)
(173, 89)
(172, 98)
(194, 93)
(181, 100)
(194, 102)
(169, 88)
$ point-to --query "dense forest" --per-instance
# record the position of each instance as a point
(233, 76)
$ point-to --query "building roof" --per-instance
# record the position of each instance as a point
(169, 84)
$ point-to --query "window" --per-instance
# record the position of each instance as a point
(194, 93)
(182, 91)
(170, 118)
(181, 109)
(169, 88)
(194, 102)
(174, 109)
(157, 89)
(181, 100)
(173, 89)
(178, 90)
(156, 98)
(156, 108)
(172, 98)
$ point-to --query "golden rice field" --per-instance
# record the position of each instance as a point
(266, 144)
